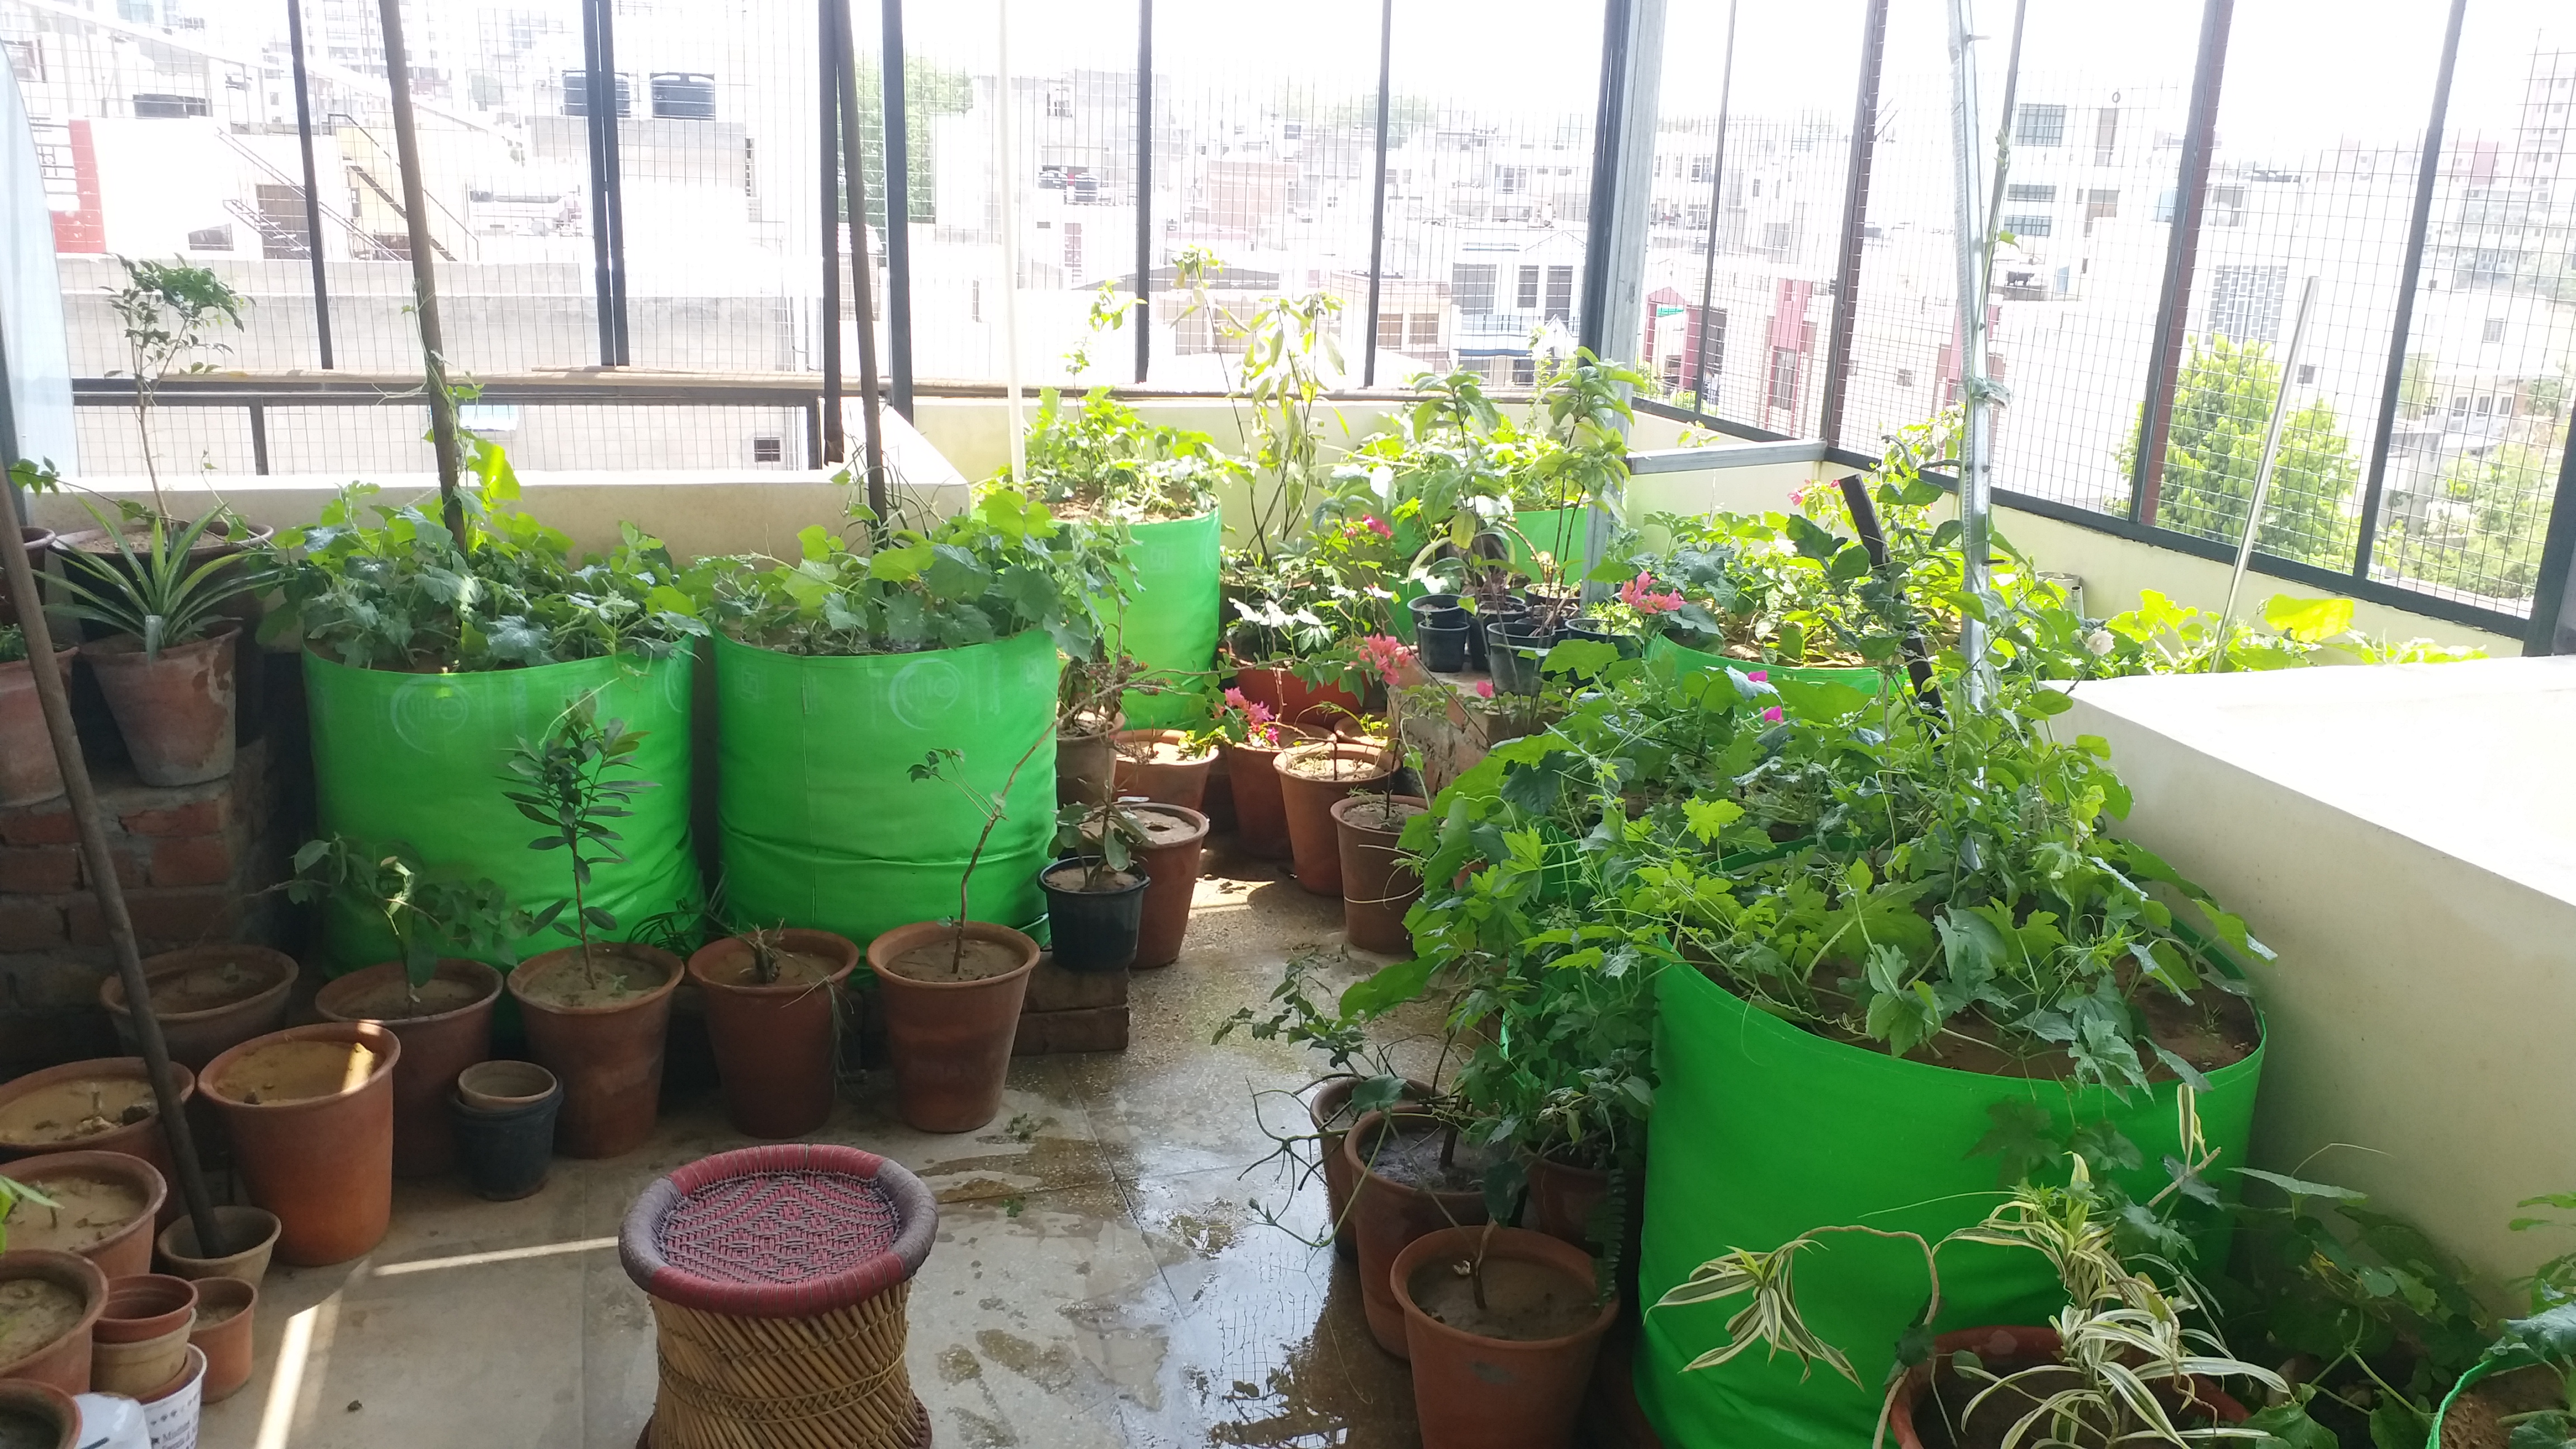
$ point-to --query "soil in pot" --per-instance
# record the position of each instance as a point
(1163, 766)
(1312, 779)
(34, 1312)
(74, 1110)
(942, 961)
(390, 999)
(1093, 923)
(1330, 1110)
(601, 1027)
(1523, 1302)
(297, 1071)
(1502, 1353)
(91, 1210)
(2474, 1418)
(612, 977)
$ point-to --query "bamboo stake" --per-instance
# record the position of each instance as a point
(424, 283)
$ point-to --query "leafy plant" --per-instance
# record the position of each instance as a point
(1101, 458)
(2545, 1341)
(14, 1192)
(571, 792)
(994, 807)
(429, 915)
(13, 643)
(1105, 836)
(166, 310)
(157, 596)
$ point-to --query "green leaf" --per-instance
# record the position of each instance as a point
(2296, 1187)
(2310, 621)
(2023, 1139)
(1388, 988)
(2289, 1427)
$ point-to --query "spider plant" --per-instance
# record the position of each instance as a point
(155, 596)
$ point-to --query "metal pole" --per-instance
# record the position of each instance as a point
(1864, 150)
(2191, 189)
(896, 72)
(1716, 203)
(2263, 470)
(312, 184)
(599, 104)
(614, 213)
(1377, 212)
(828, 101)
(2427, 174)
(862, 269)
(1618, 17)
(1144, 188)
(424, 283)
(2553, 613)
(54, 699)
(1006, 135)
(1975, 481)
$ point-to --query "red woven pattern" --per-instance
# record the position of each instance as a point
(778, 1228)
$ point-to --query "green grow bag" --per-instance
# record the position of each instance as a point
(1762, 1131)
(822, 823)
(422, 758)
(1172, 622)
(1867, 680)
(1559, 532)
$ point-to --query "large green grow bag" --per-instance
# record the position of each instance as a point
(1762, 1131)
(1861, 677)
(823, 824)
(424, 759)
(1172, 622)
(1558, 532)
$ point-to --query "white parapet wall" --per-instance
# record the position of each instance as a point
(2405, 838)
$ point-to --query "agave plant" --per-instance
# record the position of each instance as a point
(156, 596)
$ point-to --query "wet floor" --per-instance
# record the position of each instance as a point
(1107, 1273)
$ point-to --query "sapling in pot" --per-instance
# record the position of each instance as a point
(1095, 888)
(570, 792)
(943, 765)
(429, 916)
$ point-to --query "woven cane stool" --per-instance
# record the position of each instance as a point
(778, 1277)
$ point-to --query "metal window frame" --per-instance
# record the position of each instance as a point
(312, 183)
(894, 71)
(1144, 188)
(1845, 321)
(2182, 252)
(1377, 209)
(608, 203)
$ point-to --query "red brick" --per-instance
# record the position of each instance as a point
(40, 825)
(197, 817)
(44, 870)
(163, 920)
(30, 926)
(1088, 1029)
(195, 861)
(130, 870)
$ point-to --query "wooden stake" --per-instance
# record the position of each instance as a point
(424, 283)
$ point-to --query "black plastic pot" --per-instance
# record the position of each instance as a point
(1490, 613)
(1438, 610)
(1443, 646)
(1514, 650)
(1598, 632)
(506, 1150)
(1093, 930)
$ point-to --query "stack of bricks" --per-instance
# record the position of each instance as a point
(1072, 1011)
(195, 861)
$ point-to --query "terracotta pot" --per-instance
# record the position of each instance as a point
(436, 1046)
(176, 711)
(1563, 1199)
(2002, 1350)
(63, 1361)
(1475, 1392)
(1180, 782)
(608, 1057)
(142, 1139)
(247, 986)
(1377, 886)
(950, 1040)
(1387, 1215)
(774, 1044)
(1260, 819)
(1171, 864)
(1294, 700)
(29, 774)
(46, 1405)
(226, 1340)
(250, 1235)
(323, 1163)
(1316, 853)
(120, 1253)
(1086, 762)
(142, 1338)
(1329, 1110)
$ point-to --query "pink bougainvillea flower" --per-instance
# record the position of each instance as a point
(1773, 715)
(1385, 655)
(1641, 595)
(1378, 526)
(1797, 497)
(1259, 713)
(1484, 689)
(1759, 675)
(1234, 699)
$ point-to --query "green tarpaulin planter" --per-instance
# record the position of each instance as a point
(1172, 622)
(421, 758)
(1861, 677)
(1558, 532)
(1762, 1131)
(823, 825)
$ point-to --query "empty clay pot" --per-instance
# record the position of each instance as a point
(29, 774)
(1378, 887)
(1158, 766)
(1471, 1391)
(209, 998)
(142, 1337)
(1387, 1215)
(950, 1040)
(222, 1331)
(62, 1361)
(774, 1041)
(120, 1249)
(312, 1127)
(606, 1049)
(446, 1028)
(250, 1236)
(1311, 779)
(1175, 837)
(1260, 818)
(42, 1405)
(175, 710)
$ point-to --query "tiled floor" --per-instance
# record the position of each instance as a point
(1102, 1277)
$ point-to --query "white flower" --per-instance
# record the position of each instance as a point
(2098, 643)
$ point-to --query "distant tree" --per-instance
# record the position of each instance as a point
(928, 91)
(2222, 408)
(2483, 531)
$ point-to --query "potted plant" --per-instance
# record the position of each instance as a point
(952, 990)
(597, 1011)
(310, 1114)
(29, 774)
(436, 996)
(1501, 1326)
(1087, 724)
(1312, 779)
(167, 670)
(1168, 767)
(101, 1205)
(1413, 1172)
(1378, 887)
(1168, 854)
(167, 311)
(102, 1105)
(773, 1000)
(1250, 737)
(1095, 891)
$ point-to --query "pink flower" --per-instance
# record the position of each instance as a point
(1773, 715)
(1759, 675)
(1378, 526)
(1385, 655)
(1639, 594)
(1797, 497)
(1234, 699)
(1484, 689)
(1258, 713)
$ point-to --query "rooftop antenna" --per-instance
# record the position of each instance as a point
(2263, 471)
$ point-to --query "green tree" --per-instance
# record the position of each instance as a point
(2222, 408)
(929, 91)
(2484, 530)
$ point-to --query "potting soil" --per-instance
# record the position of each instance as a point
(396, 1000)
(296, 1071)
(25, 1431)
(609, 976)
(1412, 1157)
(1524, 1302)
(65, 1112)
(34, 1312)
(90, 1211)
(210, 985)
(940, 961)
(1070, 878)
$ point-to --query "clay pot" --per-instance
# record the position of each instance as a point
(1176, 835)
(2004, 1350)
(774, 1043)
(142, 1337)
(609, 1056)
(62, 1362)
(175, 711)
(950, 1040)
(250, 1235)
(1295, 701)
(1377, 886)
(29, 774)
(1329, 1110)
(203, 1015)
(1086, 761)
(436, 1046)
(121, 1253)
(142, 1139)
(1387, 1215)
(1260, 819)
(504, 1086)
(1180, 781)
(1475, 1392)
(1309, 799)
(226, 1340)
(323, 1163)
(46, 1405)
(1563, 1199)
(1218, 803)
